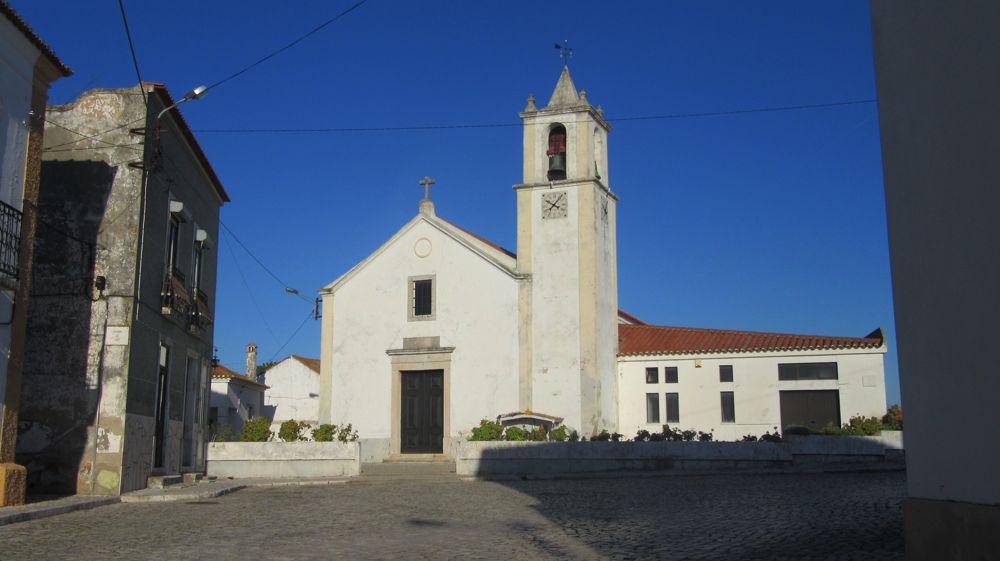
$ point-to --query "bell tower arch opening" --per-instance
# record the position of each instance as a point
(557, 152)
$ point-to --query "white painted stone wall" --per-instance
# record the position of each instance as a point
(755, 387)
(283, 459)
(17, 62)
(228, 393)
(475, 312)
(937, 92)
(292, 393)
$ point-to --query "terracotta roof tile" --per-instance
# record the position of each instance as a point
(482, 239)
(312, 363)
(664, 340)
(220, 371)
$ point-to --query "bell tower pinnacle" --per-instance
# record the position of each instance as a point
(566, 244)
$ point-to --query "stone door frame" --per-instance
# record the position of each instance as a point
(427, 358)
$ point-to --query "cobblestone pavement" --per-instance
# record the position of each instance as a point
(845, 516)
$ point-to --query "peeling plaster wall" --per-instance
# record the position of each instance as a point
(87, 417)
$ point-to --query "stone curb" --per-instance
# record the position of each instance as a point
(850, 468)
(11, 515)
(191, 494)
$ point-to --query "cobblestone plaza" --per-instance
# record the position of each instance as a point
(843, 516)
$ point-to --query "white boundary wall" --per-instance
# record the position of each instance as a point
(284, 459)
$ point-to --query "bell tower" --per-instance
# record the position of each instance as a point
(566, 248)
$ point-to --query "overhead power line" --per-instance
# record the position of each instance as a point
(294, 333)
(288, 46)
(506, 125)
(94, 136)
(287, 288)
(131, 47)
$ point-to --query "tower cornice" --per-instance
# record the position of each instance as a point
(581, 108)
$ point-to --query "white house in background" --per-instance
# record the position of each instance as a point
(735, 383)
(235, 399)
(292, 391)
(439, 328)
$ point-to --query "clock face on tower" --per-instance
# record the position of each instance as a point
(554, 204)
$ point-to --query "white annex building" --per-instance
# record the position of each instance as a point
(439, 328)
(292, 391)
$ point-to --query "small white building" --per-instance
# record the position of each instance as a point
(235, 399)
(735, 383)
(292, 391)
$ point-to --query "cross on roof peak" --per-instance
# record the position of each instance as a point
(427, 182)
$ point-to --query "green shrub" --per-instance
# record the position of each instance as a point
(515, 434)
(257, 429)
(893, 418)
(768, 437)
(537, 434)
(705, 436)
(642, 436)
(346, 433)
(748, 438)
(224, 434)
(324, 433)
(292, 431)
(329, 433)
(560, 434)
(865, 426)
(487, 430)
(574, 436)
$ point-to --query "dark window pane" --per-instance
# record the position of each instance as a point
(652, 408)
(422, 297)
(728, 407)
(673, 408)
(725, 373)
(670, 374)
(808, 371)
(652, 375)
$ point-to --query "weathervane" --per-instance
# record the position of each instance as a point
(565, 51)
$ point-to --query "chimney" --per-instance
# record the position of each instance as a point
(252, 361)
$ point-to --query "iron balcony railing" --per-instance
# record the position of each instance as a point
(10, 239)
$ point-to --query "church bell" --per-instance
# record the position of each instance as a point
(557, 166)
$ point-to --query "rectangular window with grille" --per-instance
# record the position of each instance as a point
(728, 407)
(807, 371)
(670, 374)
(673, 408)
(652, 408)
(726, 373)
(652, 375)
(421, 298)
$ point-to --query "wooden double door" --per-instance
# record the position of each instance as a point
(422, 412)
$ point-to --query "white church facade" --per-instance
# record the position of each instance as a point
(439, 328)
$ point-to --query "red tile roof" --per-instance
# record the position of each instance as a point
(663, 340)
(220, 371)
(34, 38)
(482, 239)
(629, 318)
(311, 363)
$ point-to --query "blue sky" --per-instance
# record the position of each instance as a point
(771, 221)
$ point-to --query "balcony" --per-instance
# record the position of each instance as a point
(174, 296)
(10, 241)
(201, 316)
